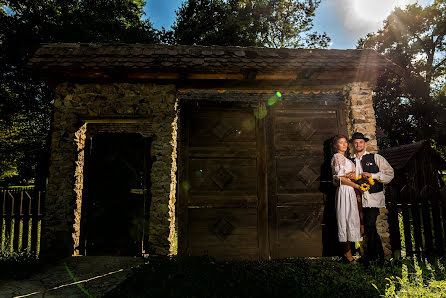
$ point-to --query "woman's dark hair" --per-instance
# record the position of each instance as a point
(334, 142)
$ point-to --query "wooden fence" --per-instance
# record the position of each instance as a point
(417, 220)
(21, 221)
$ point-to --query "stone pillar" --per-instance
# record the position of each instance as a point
(360, 112)
(75, 104)
(60, 197)
(361, 117)
(163, 176)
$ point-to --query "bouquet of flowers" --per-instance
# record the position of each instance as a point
(364, 183)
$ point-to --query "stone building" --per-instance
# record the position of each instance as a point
(204, 150)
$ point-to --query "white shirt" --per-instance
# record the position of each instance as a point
(385, 175)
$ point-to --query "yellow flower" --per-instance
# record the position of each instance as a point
(371, 181)
(364, 187)
(358, 178)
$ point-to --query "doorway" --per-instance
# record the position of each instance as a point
(117, 195)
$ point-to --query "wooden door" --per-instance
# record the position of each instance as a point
(222, 207)
(298, 131)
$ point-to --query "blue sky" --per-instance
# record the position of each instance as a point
(345, 21)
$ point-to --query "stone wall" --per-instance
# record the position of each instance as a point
(361, 117)
(75, 104)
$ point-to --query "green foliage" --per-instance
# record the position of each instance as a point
(272, 23)
(412, 106)
(26, 103)
(419, 278)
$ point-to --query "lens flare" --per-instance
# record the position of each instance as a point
(278, 94)
(271, 101)
(248, 124)
(260, 112)
(186, 186)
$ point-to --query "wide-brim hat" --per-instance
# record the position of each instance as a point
(359, 135)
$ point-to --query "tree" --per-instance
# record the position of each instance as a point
(412, 107)
(272, 23)
(25, 101)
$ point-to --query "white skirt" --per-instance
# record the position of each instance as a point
(347, 214)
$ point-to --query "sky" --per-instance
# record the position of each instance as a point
(345, 21)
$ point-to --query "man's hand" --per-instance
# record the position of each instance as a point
(367, 175)
(350, 175)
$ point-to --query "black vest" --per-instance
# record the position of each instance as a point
(368, 165)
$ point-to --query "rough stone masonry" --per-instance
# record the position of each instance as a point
(74, 105)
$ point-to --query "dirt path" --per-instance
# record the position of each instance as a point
(73, 277)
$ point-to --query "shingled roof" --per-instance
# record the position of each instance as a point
(248, 61)
(399, 156)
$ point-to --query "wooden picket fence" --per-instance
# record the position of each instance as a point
(21, 221)
(417, 220)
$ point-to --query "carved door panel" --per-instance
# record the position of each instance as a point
(218, 200)
(296, 135)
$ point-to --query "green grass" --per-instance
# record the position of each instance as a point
(324, 277)
(18, 265)
(201, 276)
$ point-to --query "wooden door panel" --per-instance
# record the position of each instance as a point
(297, 174)
(222, 173)
(224, 151)
(297, 138)
(303, 129)
(299, 230)
(222, 128)
(223, 233)
(223, 200)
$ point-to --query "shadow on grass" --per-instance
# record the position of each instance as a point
(202, 276)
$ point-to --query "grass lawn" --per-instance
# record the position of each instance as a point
(15, 265)
(201, 276)
(303, 277)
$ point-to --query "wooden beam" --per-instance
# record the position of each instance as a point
(214, 76)
(136, 120)
(276, 76)
(154, 76)
(276, 85)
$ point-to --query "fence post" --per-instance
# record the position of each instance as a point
(39, 226)
(11, 233)
(30, 225)
(436, 218)
(426, 199)
(395, 239)
(19, 245)
(4, 221)
(405, 198)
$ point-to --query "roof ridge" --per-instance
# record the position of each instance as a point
(100, 44)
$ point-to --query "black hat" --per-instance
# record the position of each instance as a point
(359, 135)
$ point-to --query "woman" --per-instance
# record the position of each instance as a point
(347, 214)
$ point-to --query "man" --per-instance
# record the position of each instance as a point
(375, 166)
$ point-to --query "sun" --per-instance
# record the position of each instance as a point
(376, 10)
